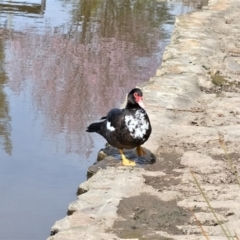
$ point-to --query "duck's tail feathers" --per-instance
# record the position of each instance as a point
(94, 127)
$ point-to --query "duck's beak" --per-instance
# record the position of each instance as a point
(140, 103)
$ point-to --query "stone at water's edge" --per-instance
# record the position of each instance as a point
(94, 212)
(110, 157)
(191, 117)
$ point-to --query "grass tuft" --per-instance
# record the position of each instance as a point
(223, 227)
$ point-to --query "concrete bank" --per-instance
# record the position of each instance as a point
(194, 106)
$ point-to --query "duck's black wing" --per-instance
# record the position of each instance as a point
(114, 112)
(114, 117)
(108, 123)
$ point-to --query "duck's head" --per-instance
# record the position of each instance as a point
(135, 97)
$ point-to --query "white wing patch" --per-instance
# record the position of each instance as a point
(110, 127)
(136, 124)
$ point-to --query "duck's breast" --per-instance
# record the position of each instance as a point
(138, 124)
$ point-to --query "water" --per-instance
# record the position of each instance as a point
(64, 64)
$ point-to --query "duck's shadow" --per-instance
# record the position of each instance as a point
(110, 157)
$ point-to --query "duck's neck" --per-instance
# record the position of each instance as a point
(130, 106)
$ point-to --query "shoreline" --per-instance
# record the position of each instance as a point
(195, 108)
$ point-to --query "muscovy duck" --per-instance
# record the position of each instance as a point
(126, 128)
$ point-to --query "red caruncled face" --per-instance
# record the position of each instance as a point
(139, 99)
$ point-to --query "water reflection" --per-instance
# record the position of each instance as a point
(23, 8)
(5, 127)
(80, 70)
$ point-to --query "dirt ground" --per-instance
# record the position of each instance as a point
(142, 216)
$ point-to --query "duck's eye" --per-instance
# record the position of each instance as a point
(137, 97)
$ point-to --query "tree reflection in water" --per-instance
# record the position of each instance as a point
(80, 70)
(5, 119)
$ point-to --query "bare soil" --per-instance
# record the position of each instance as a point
(142, 216)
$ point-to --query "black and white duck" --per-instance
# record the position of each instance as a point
(126, 128)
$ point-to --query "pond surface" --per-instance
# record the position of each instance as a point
(64, 64)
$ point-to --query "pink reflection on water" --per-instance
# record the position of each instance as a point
(72, 84)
